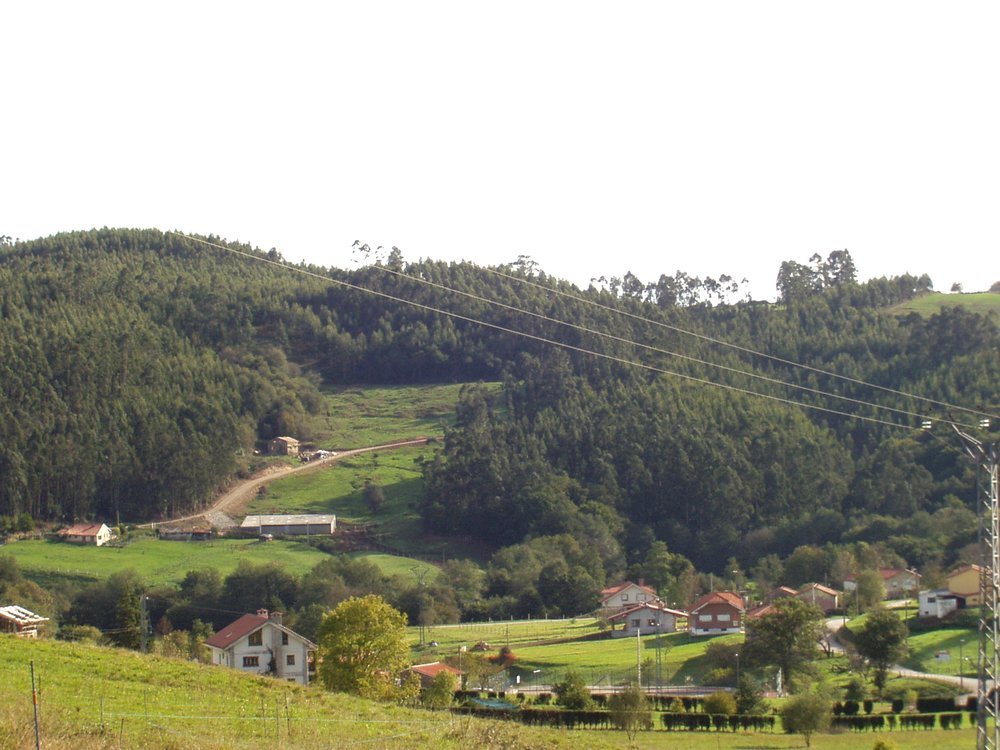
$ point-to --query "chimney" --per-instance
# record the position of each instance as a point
(275, 617)
(261, 613)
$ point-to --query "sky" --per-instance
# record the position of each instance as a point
(646, 137)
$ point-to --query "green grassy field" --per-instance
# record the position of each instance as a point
(358, 417)
(926, 651)
(92, 697)
(156, 562)
(928, 304)
(161, 562)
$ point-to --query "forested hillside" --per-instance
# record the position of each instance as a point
(137, 366)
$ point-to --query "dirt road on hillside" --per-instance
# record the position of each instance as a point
(220, 515)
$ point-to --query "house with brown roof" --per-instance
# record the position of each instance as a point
(19, 621)
(97, 534)
(718, 613)
(781, 592)
(899, 582)
(427, 672)
(646, 619)
(626, 595)
(823, 597)
(261, 644)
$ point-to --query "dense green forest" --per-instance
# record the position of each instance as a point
(138, 367)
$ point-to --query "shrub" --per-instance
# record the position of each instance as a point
(719, 703)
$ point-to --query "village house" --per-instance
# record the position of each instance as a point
(781, 592)
(823, 597)
(291, 525)
(963, 582)
(626, 595)
(645, 619)
(283, 446)
(20, 621)
(260, 644)
(97, 534)
(899, 582)
(427, 672)
(718, 613)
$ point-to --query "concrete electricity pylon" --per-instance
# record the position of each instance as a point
(985, 456)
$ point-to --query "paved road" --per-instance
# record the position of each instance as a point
(218, 514)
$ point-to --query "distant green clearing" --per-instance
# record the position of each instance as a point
(162, 562)
(358, 417)
(929, 304)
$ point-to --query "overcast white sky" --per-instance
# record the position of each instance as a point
(707, 137)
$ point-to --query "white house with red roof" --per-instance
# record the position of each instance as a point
(625, 596)
(260, 644)
(646, 619)
(718, 613)
(97, 534)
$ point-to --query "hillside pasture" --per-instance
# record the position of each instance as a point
(984, 303)
(339, 489)
(166, 562)
(357, 417)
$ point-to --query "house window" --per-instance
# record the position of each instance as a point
(653, 622)
(290, 660)
(284, 638)
(636, 622)
(641, 597)
(251, 661)
(723, 617)
(256, 638)
(704, 618)
(624, 597)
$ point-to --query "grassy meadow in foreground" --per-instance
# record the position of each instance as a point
(93, 697)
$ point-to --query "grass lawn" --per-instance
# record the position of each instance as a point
(156, 561)
(360, 416)
(927, 651)
(161, 562)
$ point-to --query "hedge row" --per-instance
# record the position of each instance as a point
(691, 722)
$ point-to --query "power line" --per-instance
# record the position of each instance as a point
(737, 347)
(649, 347)
(542, 339)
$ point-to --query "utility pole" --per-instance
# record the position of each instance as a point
(985, 456)
(143, 624)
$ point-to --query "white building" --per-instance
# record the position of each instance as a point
(260, 644)
(938, 603)
(97, 534)
(294, 525)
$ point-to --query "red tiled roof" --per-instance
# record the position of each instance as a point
(236, 630)
(612, 590)
(433, 669)
(758, 611)
(648, 605)
(887, 573)
(719, 597)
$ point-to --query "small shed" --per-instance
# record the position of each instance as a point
(20, 621)
(283, 446)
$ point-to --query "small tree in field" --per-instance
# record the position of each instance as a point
(573, 693)
(441, 692)
(719, 702)
(630, 711)
(806, 714)
(374, 496)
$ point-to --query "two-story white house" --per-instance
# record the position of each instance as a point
(262, 645)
